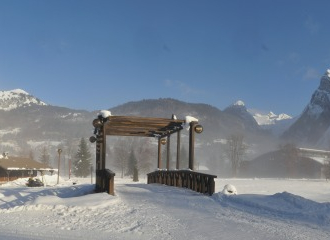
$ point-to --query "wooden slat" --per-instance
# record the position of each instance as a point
(141, 126)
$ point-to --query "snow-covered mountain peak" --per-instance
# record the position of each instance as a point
(283, 116)
(269, 118)
(17, 98)
(271, 115)
(320, 101)
(239, 103)
(311, 128)
(19, 91)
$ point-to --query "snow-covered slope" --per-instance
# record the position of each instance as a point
(17, 98)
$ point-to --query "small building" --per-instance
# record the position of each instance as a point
(12, 168)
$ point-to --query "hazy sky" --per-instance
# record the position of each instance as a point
(98, 54)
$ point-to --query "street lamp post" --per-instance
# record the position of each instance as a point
(59, 164)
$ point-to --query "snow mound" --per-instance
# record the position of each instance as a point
(105, 113)
(282, 205)
(190, 119)
(229, 190)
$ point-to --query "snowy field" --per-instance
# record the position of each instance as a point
(263, 209)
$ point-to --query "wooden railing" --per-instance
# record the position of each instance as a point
(199, 182)
(105, 181)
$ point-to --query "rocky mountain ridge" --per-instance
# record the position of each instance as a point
(312, 126)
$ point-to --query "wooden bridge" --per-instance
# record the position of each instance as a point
(160, 128)
(198, 182)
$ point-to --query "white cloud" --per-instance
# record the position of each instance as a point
(311, 74)
(312, 26)
(168, 83)
(184, 88)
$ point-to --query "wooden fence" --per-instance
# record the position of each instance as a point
(199, 182)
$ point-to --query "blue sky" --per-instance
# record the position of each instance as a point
(98, 54)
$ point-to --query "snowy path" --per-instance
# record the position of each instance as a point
(141, 211)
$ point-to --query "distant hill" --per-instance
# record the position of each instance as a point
(275, 165)
(217, 123)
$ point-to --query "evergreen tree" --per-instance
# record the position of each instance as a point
(82, 160)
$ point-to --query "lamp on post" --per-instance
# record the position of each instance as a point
(59, 164)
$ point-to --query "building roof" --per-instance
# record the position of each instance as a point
(21, 163)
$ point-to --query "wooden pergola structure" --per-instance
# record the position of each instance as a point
(160, 128)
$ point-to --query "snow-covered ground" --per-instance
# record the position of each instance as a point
(263, 209)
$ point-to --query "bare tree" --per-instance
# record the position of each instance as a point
(144, 155)
(121, 153)
(235, 150)
(69, 154)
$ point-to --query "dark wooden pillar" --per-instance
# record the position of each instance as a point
(98, 153)
(103, 152)
(192, 145)
(178, 149)
(159, 166)
(168, 152)
(98, 181)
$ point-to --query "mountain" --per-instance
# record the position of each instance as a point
(216, 123)
(277, 124)
(27, 125)
(17, 98)
(313, 124)
(243, 117)
(269, 118)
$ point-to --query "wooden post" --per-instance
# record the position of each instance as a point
(178, 149)
(59, 165)
(192, 145)
(159, 166)
(103, 152)
(168, 152)
(98, 179)
(98, 153)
